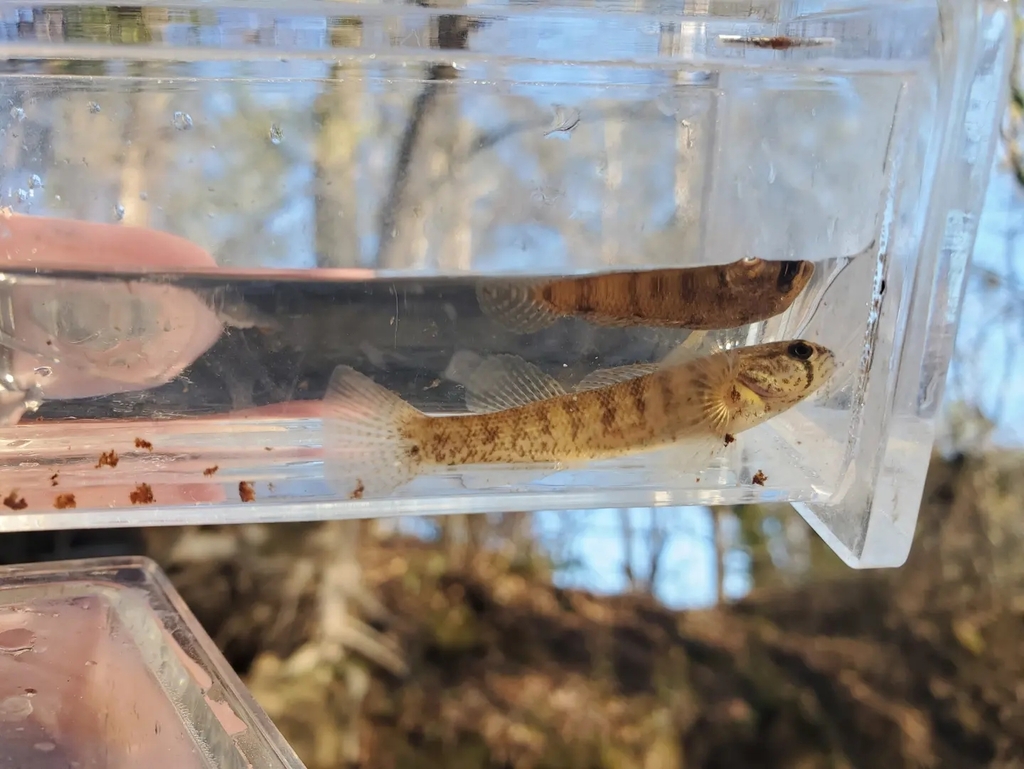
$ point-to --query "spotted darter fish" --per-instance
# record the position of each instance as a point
(375, 442)
(697, 298)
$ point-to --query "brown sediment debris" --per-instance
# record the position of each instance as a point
(211, 470)
(777, 42)
(14, 501)
(246, 493)
(108, 459)
(143, 495)
(759, 478)
(729, 438)
(142, 443)
(267, 448)
(65, 501)
(53, 479)
(357, 492)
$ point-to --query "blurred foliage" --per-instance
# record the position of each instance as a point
(917, 667)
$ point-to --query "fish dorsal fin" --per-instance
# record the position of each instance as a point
(513, 304)
(506, 382)
(685, 352)
(606, 377)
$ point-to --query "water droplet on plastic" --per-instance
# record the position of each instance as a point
(276, 134)
(182, 121)
(119, 212)
(22, 195)
(42, 371)
(771, 173)
(35, 182)
(143, 196)
(18, 113)
(17, 639)
(15, 709)
(94, 108)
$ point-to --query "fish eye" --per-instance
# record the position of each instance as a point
(800, 351)
(787, 273)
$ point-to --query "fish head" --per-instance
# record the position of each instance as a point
(770, 378)
(792, 277)
(776, 284)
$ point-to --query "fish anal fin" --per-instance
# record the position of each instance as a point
(606, 377)
(502, 382)
(367, 451)
(513, 305)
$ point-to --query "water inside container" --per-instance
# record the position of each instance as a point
(342, 183)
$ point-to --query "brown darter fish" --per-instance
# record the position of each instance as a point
(375, 442)
(697, 298)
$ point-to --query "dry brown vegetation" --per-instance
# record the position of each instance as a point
(427, 654)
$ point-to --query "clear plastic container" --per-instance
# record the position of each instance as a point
(278, 191)
(103, 667)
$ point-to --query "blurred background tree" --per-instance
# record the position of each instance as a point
(487, 642)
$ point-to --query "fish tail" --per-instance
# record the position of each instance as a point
(366, 443)
(514, 304)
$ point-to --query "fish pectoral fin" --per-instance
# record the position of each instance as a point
(365, 448)
(606, 377)
(503, 382)
(513, 305)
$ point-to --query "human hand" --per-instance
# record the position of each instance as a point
(64, 337)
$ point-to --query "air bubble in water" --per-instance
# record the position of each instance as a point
(94, 107)
(35, 182)
(119, 212)
(276, 134)
(18, 113)
(182, 121)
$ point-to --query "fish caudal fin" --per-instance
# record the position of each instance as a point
(514, 306)
(366, 450)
